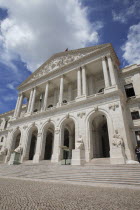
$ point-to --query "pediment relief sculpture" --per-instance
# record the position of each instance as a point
(57, 63)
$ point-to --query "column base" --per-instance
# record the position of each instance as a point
(111, 88)
(55, 158)
(80, 98)
(36, 158)
(78, 157)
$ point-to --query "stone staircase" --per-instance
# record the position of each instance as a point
(89, 174)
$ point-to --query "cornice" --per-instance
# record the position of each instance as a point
(130, 69)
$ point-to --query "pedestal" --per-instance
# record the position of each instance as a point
(118, 156)
(14, 159)
(78, 157)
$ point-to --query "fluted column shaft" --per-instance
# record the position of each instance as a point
(84, 81)
(19, 105)
(16, 106)
(79, 83)
(111, 71)
(105, 72)
(33, 100)
(61, 90)
(46, 97)
(30, 100)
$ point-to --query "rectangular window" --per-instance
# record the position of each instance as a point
(137, 133)
(129, 90)
(135, 115)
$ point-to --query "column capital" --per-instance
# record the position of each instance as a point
(108, 55)
(103, 58)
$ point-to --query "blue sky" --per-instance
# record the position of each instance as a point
(33, 30)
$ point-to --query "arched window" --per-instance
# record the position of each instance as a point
(35, 110)
(64, 101)
(101, 90)
(50, 106)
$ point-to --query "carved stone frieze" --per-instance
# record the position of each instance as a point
(57, 63)
(24, 127)
(57, 130)
(95, 108)
(81, 114)
(113, 106)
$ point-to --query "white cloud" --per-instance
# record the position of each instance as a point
(10, 98)
(128, 11)
(36, 29)
(131, 48)
(11, 86)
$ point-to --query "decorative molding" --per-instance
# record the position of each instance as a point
(39, 134)
(95, 108)
(67, 115)
(113, 106)
(49, 120)
(81, 114)
(10, 130)
(57, 130)
(117, 140)
(24, 127)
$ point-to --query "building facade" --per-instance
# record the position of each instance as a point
(79, 99)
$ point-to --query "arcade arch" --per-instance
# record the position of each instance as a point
(67, 137)
(48, 141)
(99, 138)
(32, 141)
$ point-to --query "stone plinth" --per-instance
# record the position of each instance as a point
(118, 155)
(78, 157)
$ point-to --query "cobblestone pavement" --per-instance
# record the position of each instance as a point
(31, 195)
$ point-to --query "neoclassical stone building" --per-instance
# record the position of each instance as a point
(79, 99)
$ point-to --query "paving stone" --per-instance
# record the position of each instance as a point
(31, 195)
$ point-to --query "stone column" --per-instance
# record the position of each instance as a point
(30, 99)
(79, 83)
(105, 72)
(36, 157)
(69, 92)
(46, 97)
(19, 105)
(84, 81)
(16, 106)
(33, 100)
(61, 90)
(111, 70)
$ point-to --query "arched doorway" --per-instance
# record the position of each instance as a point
(48, 142)
(67, 138)
(33, 145)
(99, 138)
(48, 146)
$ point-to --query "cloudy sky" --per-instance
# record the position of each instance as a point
(33, 30)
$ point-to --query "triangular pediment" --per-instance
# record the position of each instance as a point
(62, 59)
